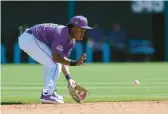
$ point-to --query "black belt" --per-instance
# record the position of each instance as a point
(29, 31)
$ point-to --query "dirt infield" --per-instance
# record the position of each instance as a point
(144, 107)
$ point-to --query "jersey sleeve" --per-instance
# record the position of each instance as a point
(57, 48)
(68, 51)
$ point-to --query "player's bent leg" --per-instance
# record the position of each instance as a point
(46, 70)
(48, 96)
(42, 54)
(46, 90)
(59, 67)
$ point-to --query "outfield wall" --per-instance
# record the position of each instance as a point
(145, 23)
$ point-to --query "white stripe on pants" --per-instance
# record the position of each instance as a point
(41, 53)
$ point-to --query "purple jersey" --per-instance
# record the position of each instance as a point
(55, 36)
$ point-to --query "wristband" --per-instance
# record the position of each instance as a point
(68, 76)
(73, 63)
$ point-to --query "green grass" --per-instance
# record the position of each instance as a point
(105, 82)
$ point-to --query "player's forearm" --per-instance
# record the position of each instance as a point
(65, 69)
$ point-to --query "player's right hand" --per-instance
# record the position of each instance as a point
(81, 60)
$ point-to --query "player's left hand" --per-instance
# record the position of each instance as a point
(77, 92)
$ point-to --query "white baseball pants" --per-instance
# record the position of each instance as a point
(41, 53)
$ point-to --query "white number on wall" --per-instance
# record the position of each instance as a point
(147, 6)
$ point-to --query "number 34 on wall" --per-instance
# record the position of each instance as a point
(147, 6)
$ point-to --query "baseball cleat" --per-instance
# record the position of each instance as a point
(51, 99)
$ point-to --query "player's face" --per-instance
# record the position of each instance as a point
(78, 33)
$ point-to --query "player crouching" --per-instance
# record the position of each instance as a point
(50, 45)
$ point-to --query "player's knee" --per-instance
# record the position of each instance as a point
(57, 66)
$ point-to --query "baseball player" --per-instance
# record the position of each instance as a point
(50, 45)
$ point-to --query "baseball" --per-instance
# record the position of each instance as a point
(136, 83)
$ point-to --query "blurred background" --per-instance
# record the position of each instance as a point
(124, 31)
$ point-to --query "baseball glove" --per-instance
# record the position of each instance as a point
(77, 92)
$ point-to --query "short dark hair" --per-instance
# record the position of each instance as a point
(70, 26)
